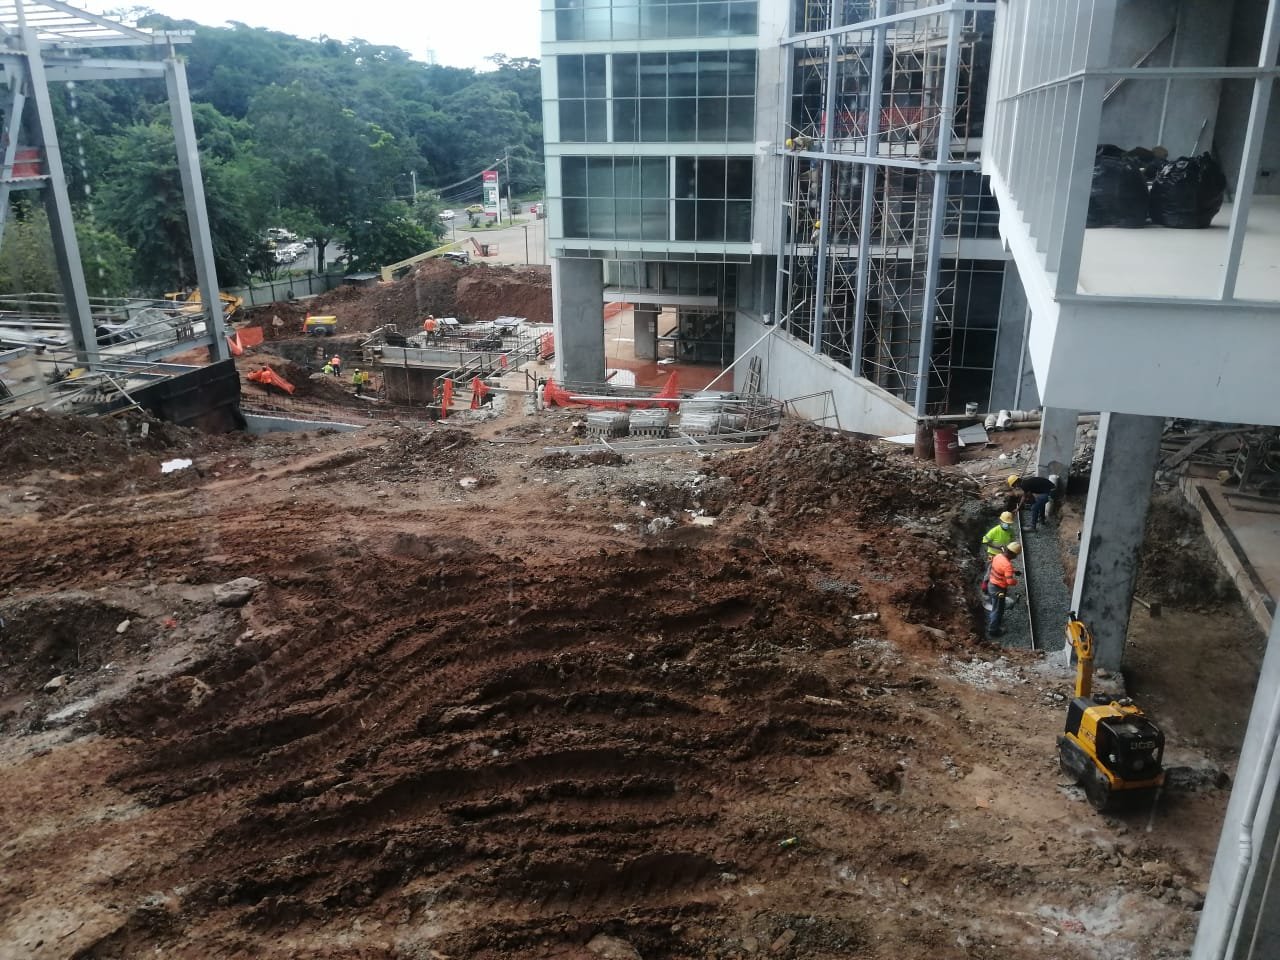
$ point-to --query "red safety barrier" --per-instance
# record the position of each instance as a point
(446, 399)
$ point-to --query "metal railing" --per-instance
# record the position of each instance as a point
(1050, 75)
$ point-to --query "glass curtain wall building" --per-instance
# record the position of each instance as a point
(805, 163)
(652, 116)
(891, 263)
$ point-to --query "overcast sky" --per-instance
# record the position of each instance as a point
(461, 33)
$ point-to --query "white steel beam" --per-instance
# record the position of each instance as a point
(184, 134)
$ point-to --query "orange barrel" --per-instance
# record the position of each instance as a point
(946, 445)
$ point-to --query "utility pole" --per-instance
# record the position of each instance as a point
(413, 178)
(506, 158)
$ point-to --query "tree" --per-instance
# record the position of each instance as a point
(334, 166)
(27, 261)
(389, 235)
(143, 202)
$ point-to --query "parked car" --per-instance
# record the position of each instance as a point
(447, 214)
(457, 256)
(280, 234)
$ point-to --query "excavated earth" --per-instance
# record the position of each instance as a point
(474, 292)
(488, 702)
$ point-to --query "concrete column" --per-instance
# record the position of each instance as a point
(1124, 467)
(644, 319)
(1057, 441)
(577, 311)
(1241, 917)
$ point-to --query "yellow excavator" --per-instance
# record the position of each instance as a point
(1110, 747)
(191, 302)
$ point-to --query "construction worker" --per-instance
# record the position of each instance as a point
(327, 369)
(429, 326)
(358, 381)
(1037, 491)
(336, 362)
(998, 536)
(1001, 580)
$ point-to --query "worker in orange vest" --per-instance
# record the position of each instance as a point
(1000, 580)
(336, 363)
(429, 327)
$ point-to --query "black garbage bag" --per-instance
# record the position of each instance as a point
(1188, 192)
(1148, 161)
(1118, 196)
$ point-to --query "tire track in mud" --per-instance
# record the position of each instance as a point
(560, 735)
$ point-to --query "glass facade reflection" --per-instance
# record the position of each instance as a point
(657, 198)
(654, 19)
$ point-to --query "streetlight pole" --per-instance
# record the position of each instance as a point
(413, 178)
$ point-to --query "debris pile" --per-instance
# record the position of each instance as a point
(802, 471)
(39, 440)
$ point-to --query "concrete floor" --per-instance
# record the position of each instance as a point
(1162, 262)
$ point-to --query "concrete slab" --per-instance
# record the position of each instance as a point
(1246, 537)
(1162, 262)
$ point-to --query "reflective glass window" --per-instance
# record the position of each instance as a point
(682, 119)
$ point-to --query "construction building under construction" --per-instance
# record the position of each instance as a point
(890, 262)
(797, 184)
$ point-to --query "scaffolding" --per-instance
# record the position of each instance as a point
(44, 42)
(882, 187)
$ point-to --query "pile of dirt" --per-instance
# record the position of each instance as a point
(40, 440)
(802, 471)
(489, 292)
(478, 292)
(1178, 566)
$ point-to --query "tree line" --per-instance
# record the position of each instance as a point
(322, 137)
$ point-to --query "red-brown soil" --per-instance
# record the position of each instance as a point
(504, 720)
(478, 292)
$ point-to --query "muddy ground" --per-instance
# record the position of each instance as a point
(485, 703)
(475, 292)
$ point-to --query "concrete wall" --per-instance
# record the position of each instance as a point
(1013, 381)
(1151, 112)
(791, 369)
(258, 424)
(1233, 107)
(408, 385)
(577, 303)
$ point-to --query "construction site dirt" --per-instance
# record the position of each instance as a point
(481, 702)
(439, 287)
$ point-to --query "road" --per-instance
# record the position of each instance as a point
(524, 242)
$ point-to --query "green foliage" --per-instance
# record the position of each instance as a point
(142, 201)
(27, 262)
(389, 235)
(318, 136)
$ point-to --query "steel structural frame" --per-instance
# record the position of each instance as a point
(46, 40)
(883, 213)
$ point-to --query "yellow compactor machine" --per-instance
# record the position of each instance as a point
(1110, 747)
